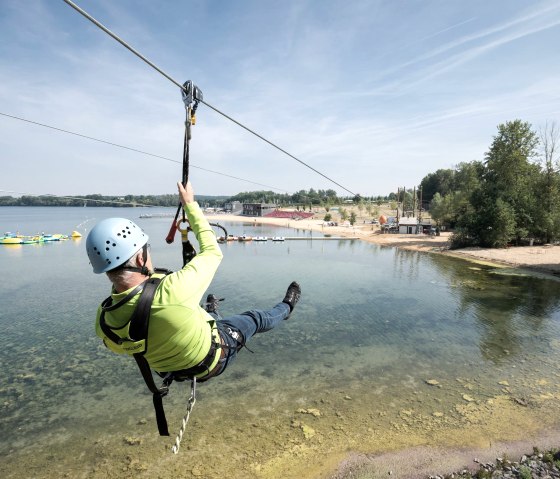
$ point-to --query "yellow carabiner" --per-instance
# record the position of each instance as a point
(184, 232)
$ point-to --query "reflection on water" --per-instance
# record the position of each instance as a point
(374, 324)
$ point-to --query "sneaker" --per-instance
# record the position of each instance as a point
(212, 305)
(292, 295)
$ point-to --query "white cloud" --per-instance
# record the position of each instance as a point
(326, 83)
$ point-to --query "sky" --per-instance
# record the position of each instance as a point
(375, 95)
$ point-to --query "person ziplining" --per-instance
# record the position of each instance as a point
(182, 340)
(155, 315)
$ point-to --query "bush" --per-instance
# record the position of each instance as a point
(461, 239)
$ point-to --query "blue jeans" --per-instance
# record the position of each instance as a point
(238, 329)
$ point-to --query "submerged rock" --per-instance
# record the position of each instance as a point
(312, 411)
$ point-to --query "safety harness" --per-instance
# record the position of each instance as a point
(136, 344)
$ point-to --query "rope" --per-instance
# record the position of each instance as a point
(143, 58)
(190, 404)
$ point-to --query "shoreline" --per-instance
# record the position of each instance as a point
(543, 258)
(424, 461)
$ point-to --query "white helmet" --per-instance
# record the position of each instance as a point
(112, 242)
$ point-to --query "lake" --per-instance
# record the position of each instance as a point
(387, 349)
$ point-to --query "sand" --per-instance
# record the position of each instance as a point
(545, 258)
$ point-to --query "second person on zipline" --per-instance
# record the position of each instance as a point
(183, 338)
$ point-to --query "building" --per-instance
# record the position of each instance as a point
(412, 225)
(257, 209)
(233, 207)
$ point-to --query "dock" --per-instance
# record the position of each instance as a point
(280, 239)
(320, 238)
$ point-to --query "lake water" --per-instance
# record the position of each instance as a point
(350, 371)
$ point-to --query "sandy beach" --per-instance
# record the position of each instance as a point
(543, 258)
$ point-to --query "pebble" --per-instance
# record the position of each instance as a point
(536, 466)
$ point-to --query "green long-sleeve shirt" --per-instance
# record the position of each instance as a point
(180, 331)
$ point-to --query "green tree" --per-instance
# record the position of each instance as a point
(510, 176)
(442, 182)
(547, 225)
(343, 214)
(499, 204)
(352, 218)
(438, 209)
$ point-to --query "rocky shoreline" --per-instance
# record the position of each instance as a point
(538, 465)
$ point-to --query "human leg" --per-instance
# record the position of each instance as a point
(238, 329)
(256, 321)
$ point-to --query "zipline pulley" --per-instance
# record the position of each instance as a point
(192, 95)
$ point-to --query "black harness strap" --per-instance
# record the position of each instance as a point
(157, 393)
(139, 323)
(138, 330)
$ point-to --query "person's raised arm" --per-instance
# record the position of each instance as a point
(186, 195)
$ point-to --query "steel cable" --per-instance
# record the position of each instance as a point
(159, 70)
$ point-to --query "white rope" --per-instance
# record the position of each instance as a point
(190, 405)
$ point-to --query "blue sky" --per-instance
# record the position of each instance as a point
(374, 94)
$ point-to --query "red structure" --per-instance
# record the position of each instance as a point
(288, 215)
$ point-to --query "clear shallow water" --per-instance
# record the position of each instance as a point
(373, 325)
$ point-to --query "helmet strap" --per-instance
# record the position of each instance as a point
(143, 270)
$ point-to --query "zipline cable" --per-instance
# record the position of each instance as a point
(136, 150)
(159, 70)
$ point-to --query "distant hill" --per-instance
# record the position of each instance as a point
(101, 200)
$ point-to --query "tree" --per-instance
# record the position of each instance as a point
(510, 176)
(343, 214)
(497, 203)
(548, 215)
(442, 182)
(438, 209)
(352, 218)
